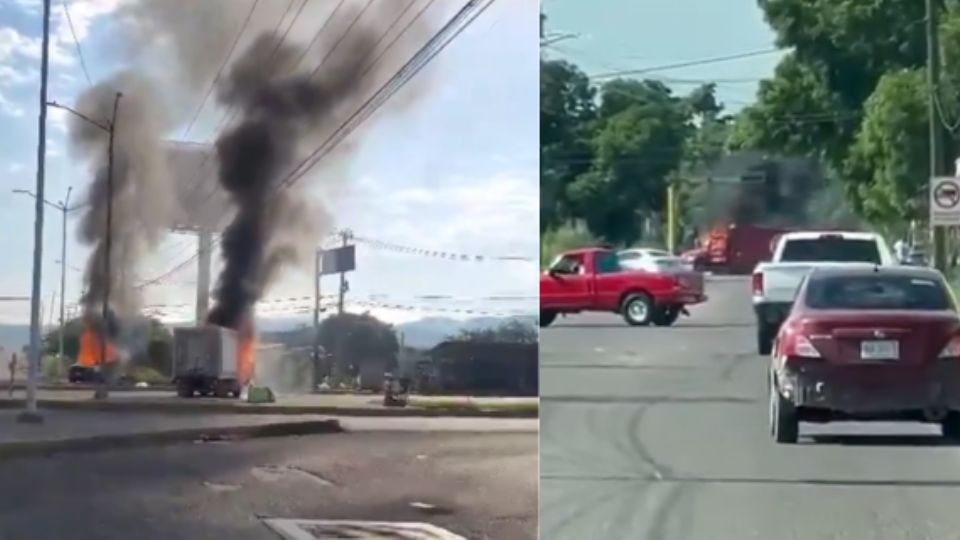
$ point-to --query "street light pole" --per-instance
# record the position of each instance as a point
(101, 391)
(63, 207)
(30, 414)
(110, 128)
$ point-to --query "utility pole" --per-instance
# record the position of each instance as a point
(671, 216)
(936, 127)
(345, 236)
(101, 390)
(204, 255)
(30, 414)
(316, 316)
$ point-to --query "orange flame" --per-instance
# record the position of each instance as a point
(90, 351)
(245, 353)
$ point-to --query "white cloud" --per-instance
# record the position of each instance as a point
(11, 76)
(57, 119)
(16, 167)
(9, 108)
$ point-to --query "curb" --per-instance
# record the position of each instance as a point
(230, 408)
(97, 443)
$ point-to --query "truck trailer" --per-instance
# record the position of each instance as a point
(208, 360)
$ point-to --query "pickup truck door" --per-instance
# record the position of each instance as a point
(567, 285)
(610, 281)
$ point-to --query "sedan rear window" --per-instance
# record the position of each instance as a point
(831, 249)
(877, 292)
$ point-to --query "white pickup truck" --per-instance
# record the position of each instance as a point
(775, 283)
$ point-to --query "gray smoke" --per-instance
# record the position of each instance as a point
(141, 196)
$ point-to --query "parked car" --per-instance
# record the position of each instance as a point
(867, 343)
(83, 374)
(594, 280)
(775, 283)
(652, 260)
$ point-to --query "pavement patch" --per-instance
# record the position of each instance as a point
(274, 473)
(319, 529)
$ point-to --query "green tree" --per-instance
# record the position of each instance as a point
(359, 338)
(567, 111)
(639, 140)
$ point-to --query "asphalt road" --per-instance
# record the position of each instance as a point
(475, 485)
(661, 433)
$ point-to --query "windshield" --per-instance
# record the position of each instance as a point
(881, 292)
(831, 249)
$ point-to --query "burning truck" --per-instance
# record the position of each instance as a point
(212, 360)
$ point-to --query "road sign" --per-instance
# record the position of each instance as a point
(341, 259)
(945, 201)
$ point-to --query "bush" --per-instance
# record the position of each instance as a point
(53, 368)
(148, 375)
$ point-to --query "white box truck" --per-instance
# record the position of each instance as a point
(206, 361)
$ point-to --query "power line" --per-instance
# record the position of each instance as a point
(678, 65)
(399, 34)
(76, 42)
(413, 66)
(342, 37)
(223, 66)
(455, 256)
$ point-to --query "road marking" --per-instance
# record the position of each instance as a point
(330, 529)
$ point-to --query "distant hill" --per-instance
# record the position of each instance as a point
(427, 332)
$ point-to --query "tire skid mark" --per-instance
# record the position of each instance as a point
(584, 508)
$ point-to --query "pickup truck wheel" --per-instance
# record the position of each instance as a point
(765, 335)
(784, 422)
(547, 318)
(637, 309)
(666, 316)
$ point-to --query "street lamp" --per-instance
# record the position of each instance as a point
(110, 128)
(63, 207)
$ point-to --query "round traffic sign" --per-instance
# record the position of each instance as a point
(947, 194)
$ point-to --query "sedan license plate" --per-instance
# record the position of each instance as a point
(880, 350)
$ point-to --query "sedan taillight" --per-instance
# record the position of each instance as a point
(756, 284)
(798, 346)
(952, 350)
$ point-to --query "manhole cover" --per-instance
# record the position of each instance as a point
(319, 529)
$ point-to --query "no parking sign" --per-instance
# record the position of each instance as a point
(945, 201)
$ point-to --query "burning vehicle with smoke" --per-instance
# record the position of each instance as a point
(212, 361)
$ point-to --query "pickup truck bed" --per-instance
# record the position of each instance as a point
(775, 283)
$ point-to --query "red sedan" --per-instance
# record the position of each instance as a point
(867, 343)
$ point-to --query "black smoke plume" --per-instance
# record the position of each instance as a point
(285, 108)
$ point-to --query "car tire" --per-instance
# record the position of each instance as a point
(784, 422)
(637, 309)
(666, 316)
(950, 426)
(765, 336)
(547, 318)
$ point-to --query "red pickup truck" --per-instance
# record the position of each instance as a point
(593, 280)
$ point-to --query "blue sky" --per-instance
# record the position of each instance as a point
(639, 34)
(455, 172)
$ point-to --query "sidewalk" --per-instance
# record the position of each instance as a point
(64, 431)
